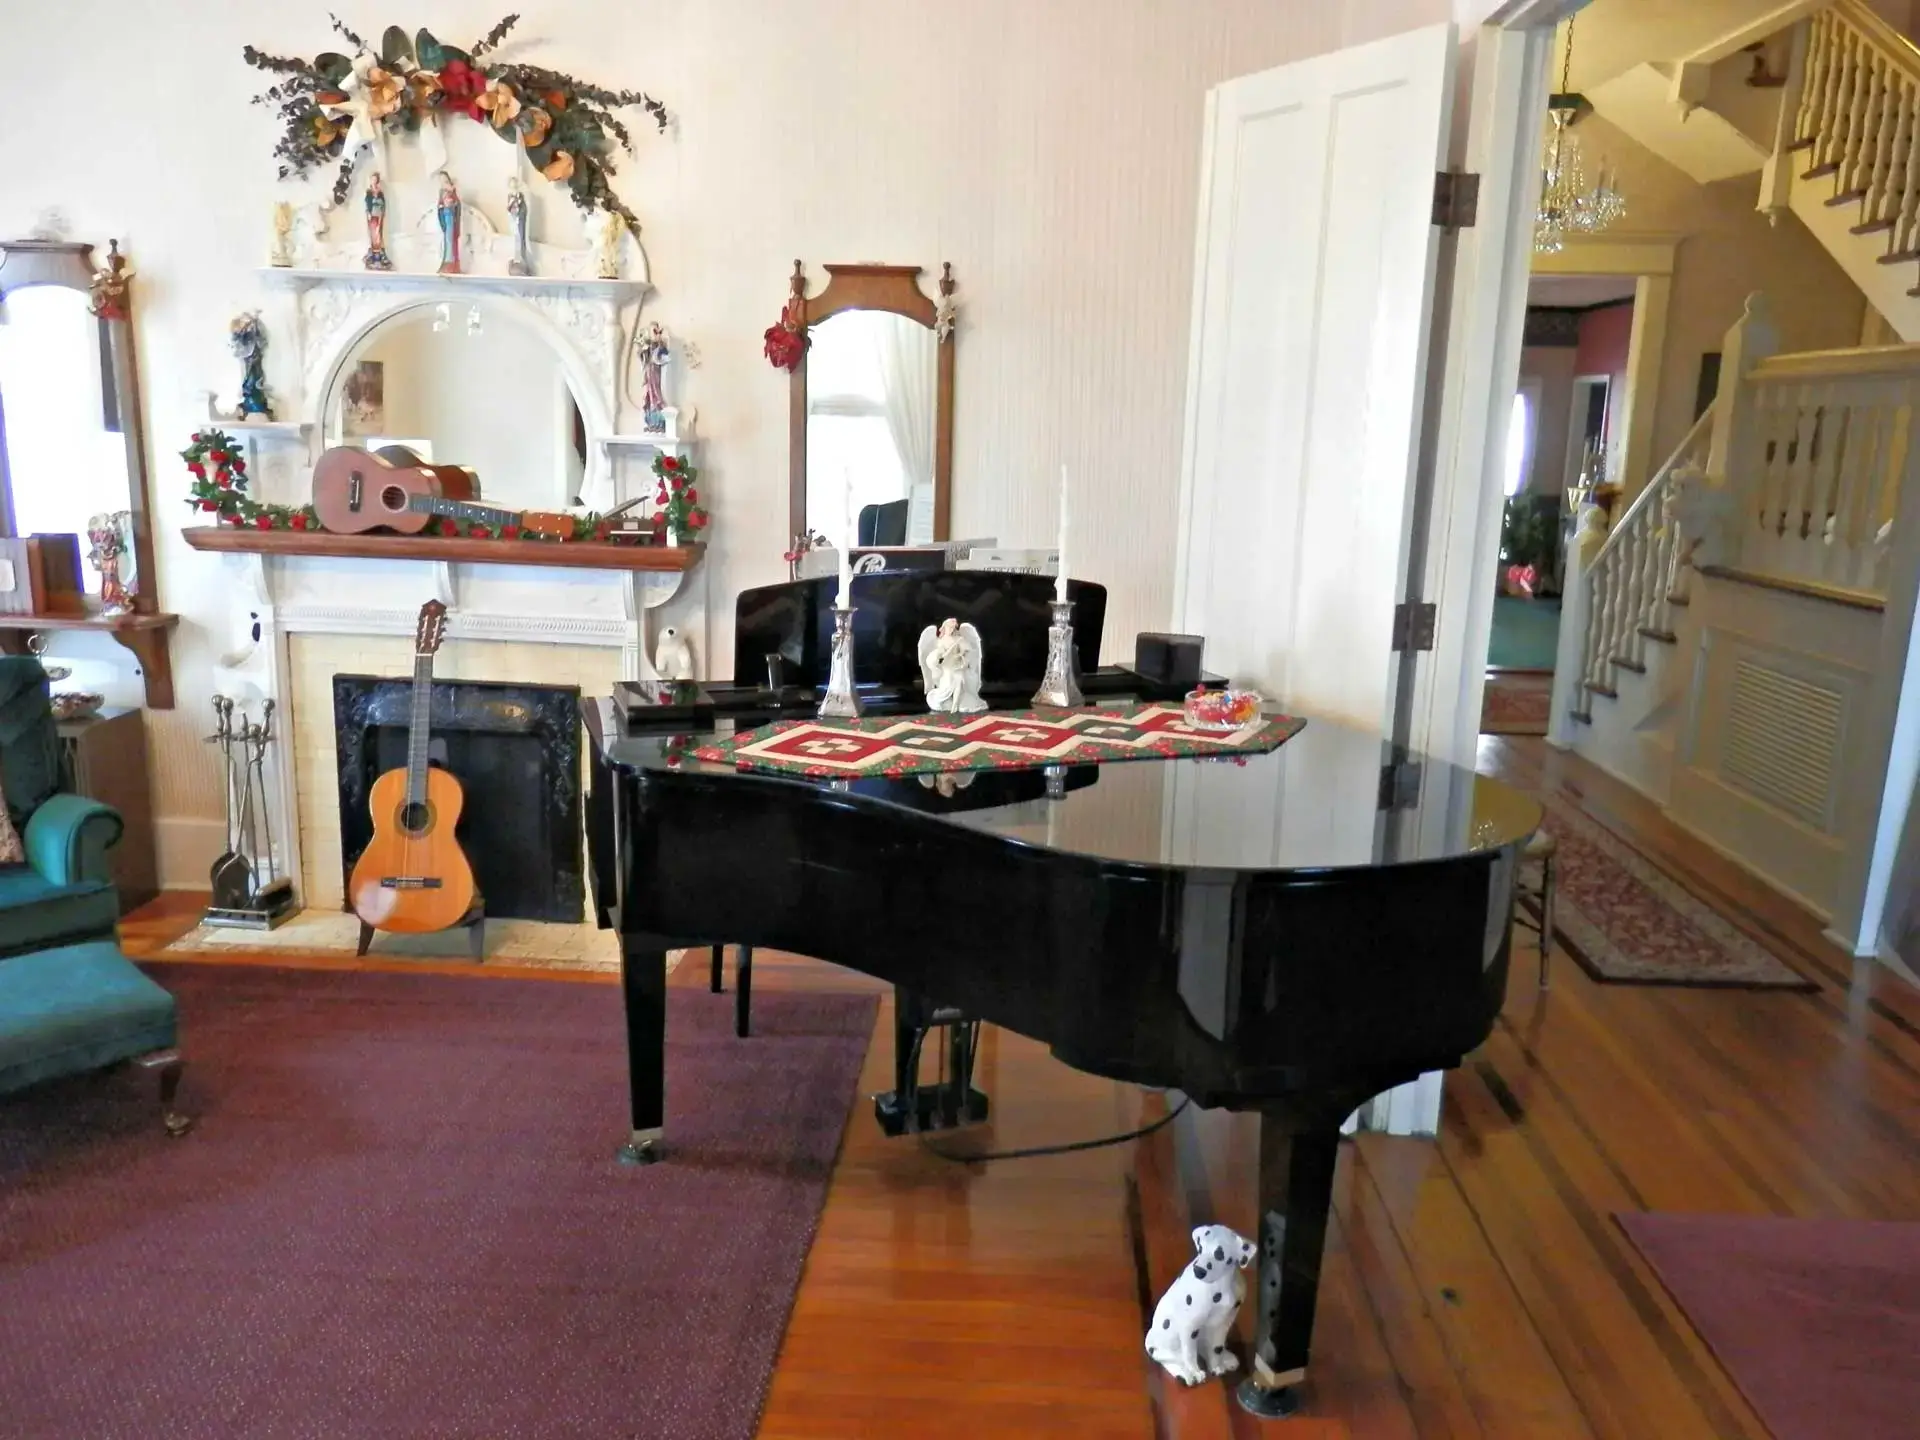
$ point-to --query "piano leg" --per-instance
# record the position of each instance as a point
(643, 983)
(1296, 1190)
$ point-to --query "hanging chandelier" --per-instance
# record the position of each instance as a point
(1568, 205)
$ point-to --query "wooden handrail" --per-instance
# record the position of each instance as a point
(1645, 497)
(1837, 364)
(1897, 47)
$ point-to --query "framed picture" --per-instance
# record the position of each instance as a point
(364, 400)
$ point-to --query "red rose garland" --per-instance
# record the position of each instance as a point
(674, 492)
(219, 487)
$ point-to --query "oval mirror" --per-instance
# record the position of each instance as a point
(464, 382)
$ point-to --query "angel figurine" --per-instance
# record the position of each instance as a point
(950, 667)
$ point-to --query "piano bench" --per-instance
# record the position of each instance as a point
(743, 985)
(1539, 852)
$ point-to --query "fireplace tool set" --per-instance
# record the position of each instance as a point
(249, 893)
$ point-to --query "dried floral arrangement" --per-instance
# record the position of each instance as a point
(334, 104)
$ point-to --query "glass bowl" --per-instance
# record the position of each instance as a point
(1223, 709)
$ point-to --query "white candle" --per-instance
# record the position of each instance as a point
(846, 539)
(1060, 581)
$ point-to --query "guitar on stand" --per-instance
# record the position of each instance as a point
(413, 876)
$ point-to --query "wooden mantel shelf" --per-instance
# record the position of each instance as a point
(144, 635)
(570, 555)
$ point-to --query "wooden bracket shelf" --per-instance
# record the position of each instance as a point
(144, 635)
(568, 554)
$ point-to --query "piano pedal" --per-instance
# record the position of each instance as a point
(928, 1107)
(950, 1102)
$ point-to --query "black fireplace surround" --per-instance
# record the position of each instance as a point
(515, 749)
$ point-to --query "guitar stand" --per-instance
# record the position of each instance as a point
(949, 1102)
(474, 922)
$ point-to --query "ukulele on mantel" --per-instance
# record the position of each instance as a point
(413, 875)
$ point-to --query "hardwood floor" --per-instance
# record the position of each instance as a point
(1477, 1286)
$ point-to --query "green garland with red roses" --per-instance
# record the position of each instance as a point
(677, 496)
(219, 489)
(566, 127)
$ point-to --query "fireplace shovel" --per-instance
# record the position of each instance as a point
(232, 874)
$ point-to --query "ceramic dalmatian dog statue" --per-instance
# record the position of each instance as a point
(1192, 1320)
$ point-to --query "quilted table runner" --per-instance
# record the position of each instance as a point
(890, 745)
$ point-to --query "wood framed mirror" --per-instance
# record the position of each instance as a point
(73, 455)
(871, 407)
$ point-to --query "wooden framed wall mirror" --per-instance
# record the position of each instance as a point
(872, 405)
(72, 453)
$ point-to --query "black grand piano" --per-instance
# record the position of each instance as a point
(1291, 933)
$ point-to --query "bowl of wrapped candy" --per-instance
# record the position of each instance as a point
(1223, 709)
(76, 704)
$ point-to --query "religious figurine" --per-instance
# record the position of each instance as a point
(281, 255)
(522, 261)
(607, 228)
(376, 203)
(654, 354)
(250, 344)
(672, 656)
(1190, 1326)
(107, 295)
(448, 212)
(108, 538)
(950, 667)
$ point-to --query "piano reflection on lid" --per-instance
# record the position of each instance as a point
(1292, 935)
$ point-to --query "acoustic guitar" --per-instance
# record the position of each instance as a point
(413, 875)
(392, 488)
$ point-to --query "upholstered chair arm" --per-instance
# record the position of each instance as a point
(68, 837)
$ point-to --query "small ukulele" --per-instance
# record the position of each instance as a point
(391, 488)
(413, 875)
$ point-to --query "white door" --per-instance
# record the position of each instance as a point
(1312, 300)
(1313, 288)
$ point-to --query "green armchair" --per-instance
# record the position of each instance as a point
(70, 1002)
(63, 894)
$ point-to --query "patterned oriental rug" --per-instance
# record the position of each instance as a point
(1516, 704)
(1625, 921)
(399, 1214)
(896, 745)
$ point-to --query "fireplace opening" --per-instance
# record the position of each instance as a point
(515, 749)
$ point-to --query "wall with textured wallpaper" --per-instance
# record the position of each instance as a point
(1048, 148)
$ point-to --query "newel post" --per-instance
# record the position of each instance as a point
(1709, 502)
(1776, 177)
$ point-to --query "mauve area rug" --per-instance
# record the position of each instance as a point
(399, 1214)
(1817, 1321)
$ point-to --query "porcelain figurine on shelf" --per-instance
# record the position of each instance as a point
(448, 213)
(522, 261)
(655, 351)
(376, 203)
(673, 656)
(108, 539)
(250, 344)
(606, 228)
(950, 667)
(1188, 1334)
(281, 255)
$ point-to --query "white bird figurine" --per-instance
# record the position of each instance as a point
(950, 667)
(672, 656)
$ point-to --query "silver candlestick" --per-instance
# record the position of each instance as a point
(1060, 685)
(842, 700)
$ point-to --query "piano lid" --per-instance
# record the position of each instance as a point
(1315, 803)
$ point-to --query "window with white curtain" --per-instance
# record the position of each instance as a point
(1522, 428)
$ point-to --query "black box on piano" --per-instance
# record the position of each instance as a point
(647, 705)
(1168, 659)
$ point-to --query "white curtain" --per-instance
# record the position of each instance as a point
(909, 370)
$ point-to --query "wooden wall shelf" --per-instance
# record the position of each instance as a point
(144, 635)
(568, 555)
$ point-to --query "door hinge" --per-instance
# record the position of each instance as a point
(1413, 626)
(1399, 785)
(1456, 199)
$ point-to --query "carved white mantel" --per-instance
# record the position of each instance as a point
(321, 309)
